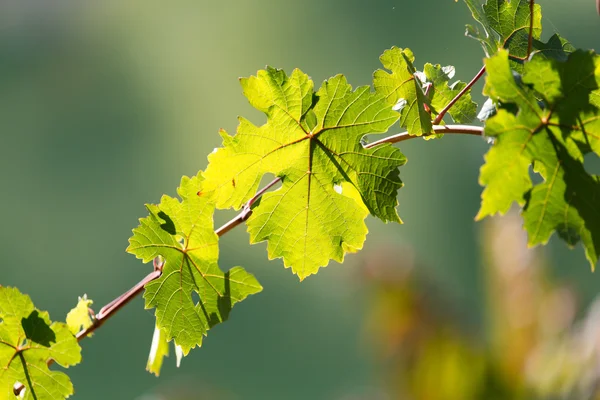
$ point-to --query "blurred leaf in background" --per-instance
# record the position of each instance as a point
(530, 347)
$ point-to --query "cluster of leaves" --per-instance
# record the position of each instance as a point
(548, 119)
(314, 142)
(543, 112)
(405, 88)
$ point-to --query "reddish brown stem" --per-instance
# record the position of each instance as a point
(530, 38)
(428, 86)
(246, 210)
(440, 116)
(108, 310)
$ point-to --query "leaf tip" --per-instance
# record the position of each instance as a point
(480, 215)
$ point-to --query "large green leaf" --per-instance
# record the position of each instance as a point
(403, 87)
(28, 340)
(312, 141)
(506, 24)
(557, 122)
(182, 233)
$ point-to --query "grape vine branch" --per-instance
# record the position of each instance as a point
(541, 118)
(119, 302)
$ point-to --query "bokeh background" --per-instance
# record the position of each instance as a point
(105, 105)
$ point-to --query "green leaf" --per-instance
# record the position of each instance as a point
(312, 141)
(182, 233)
(442, 92)
(402, 84)
(552, 135)
(28, 340)
(505, 25)
(79, 318)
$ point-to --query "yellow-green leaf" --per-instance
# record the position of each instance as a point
(79, 317)
(28, 340)
(555, 124)
(312, 141)
(182, 233)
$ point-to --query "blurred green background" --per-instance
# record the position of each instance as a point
(105, 105)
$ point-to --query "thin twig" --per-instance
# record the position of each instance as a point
(108, 310)
(458, 129)
(246, 210)
(428, 87)
(115, 305)
(440, 116)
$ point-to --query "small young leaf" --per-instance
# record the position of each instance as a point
(79, 317)
(28, 340)
(182, 233)
(441, 93)
(158, 351)
(553, 135)
(312, 141)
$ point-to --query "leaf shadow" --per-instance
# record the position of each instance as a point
(571, 140)
(582, 189)
(168, 225)
(37, 330)
(583, 193)
(223, 304)
(578, 81)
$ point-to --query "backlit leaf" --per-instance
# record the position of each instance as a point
(442, 92)
(506, 25)
(159, 349)
(182, 233)
(28, 340)
(404, 84)
(556, 123)
(79, 317)
(312, 141)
